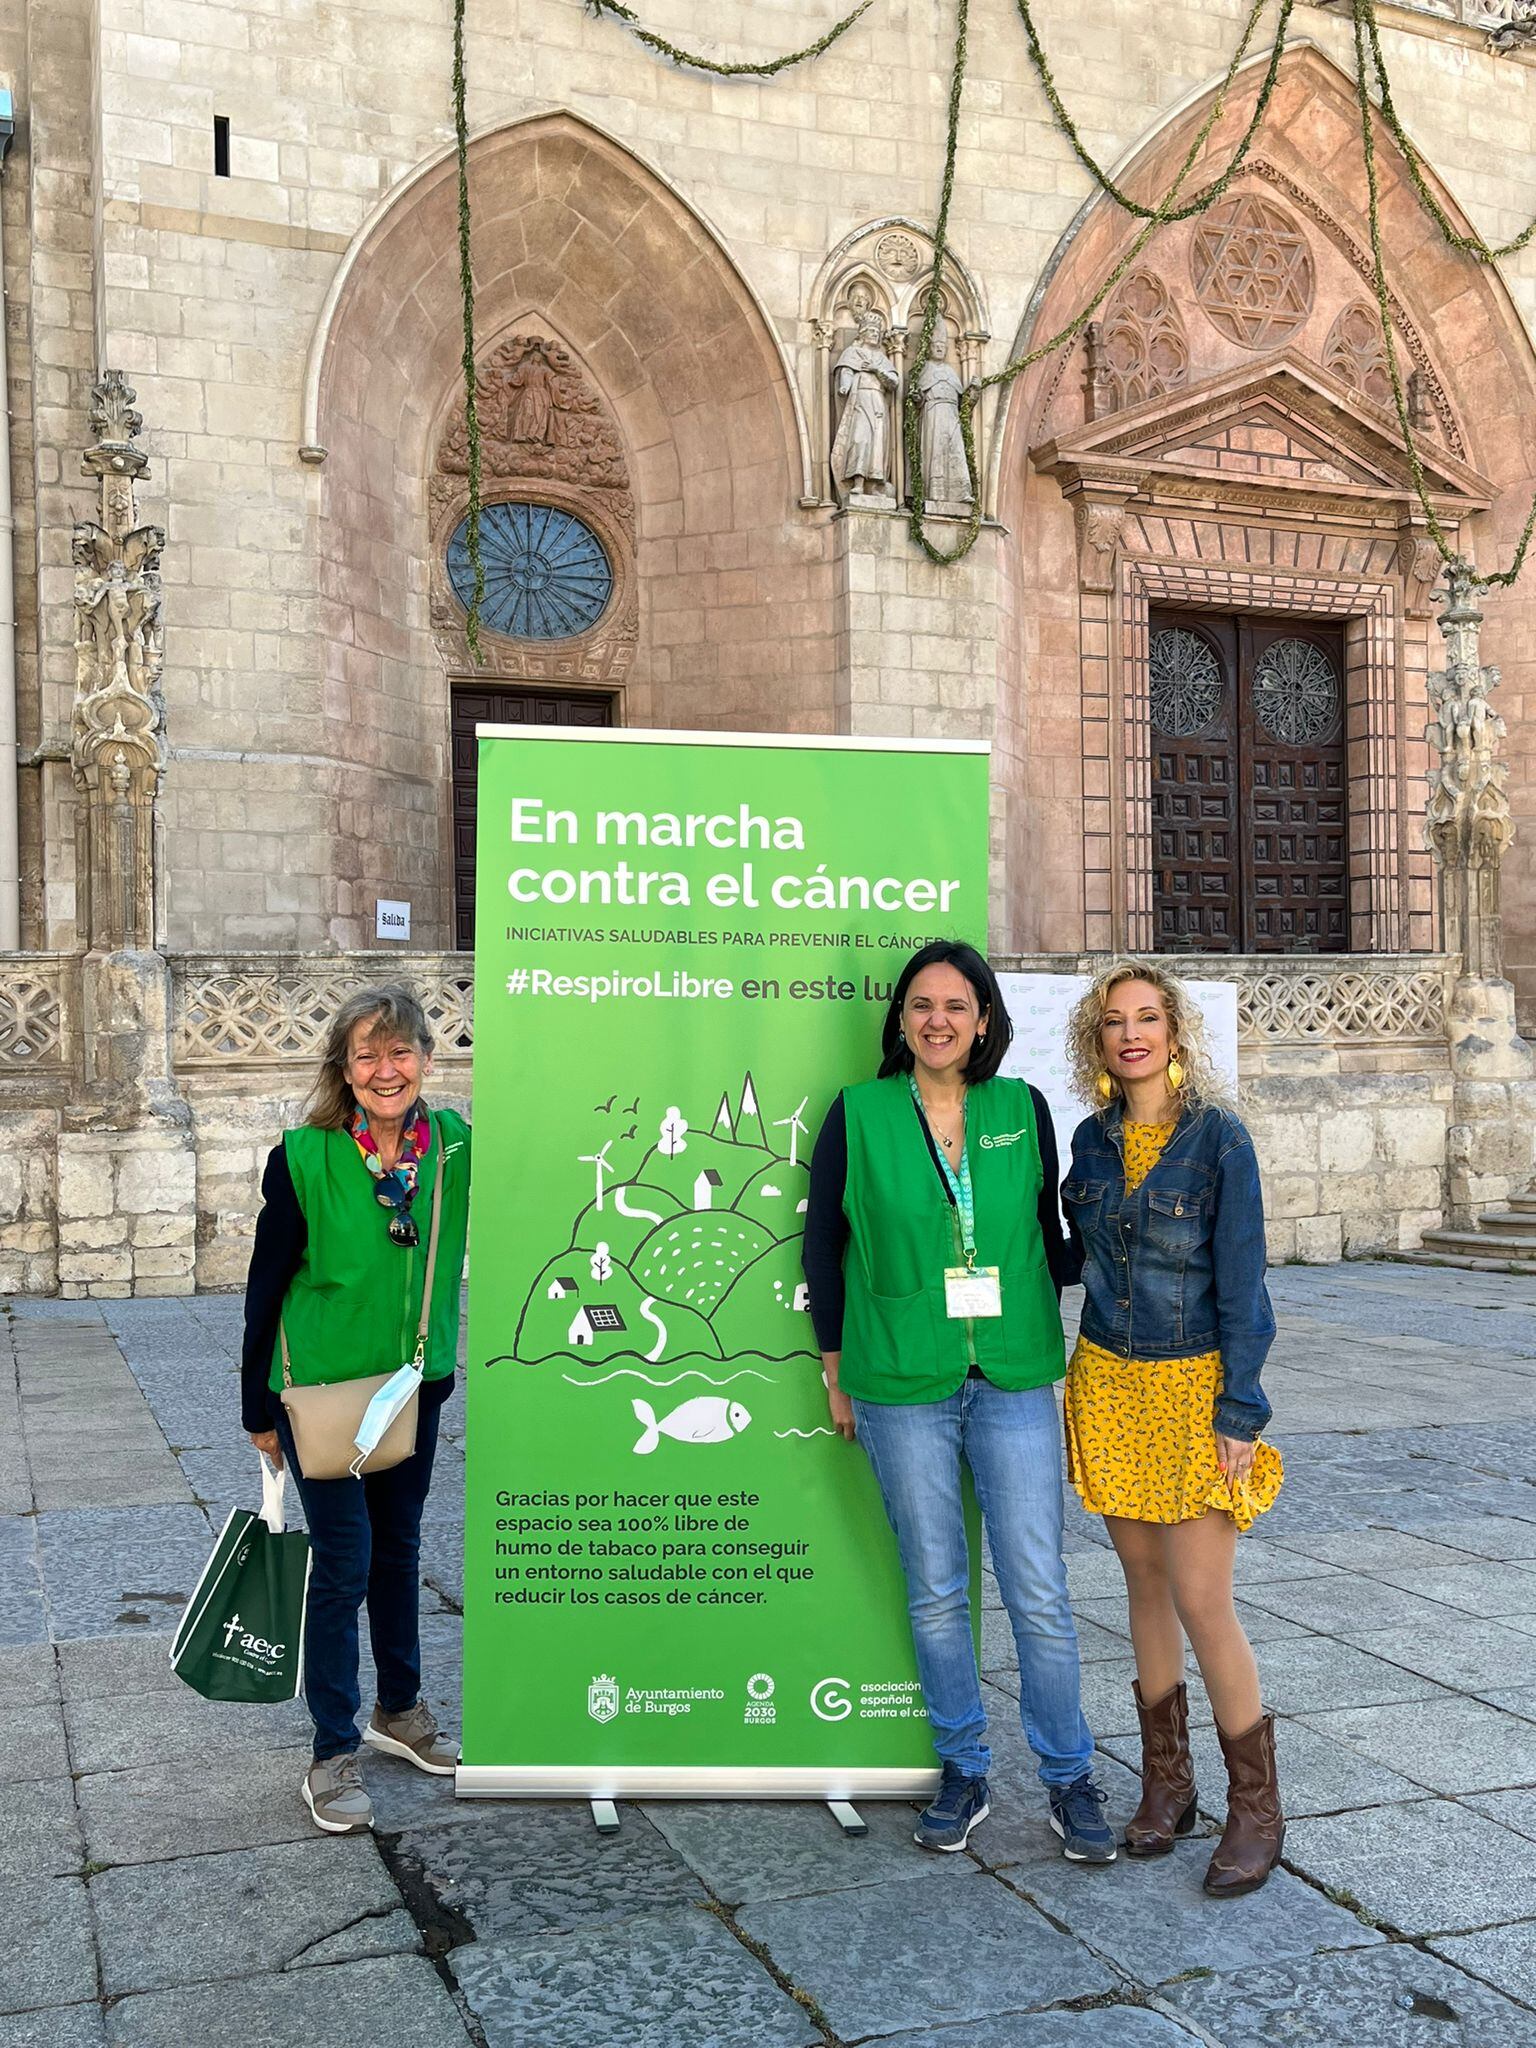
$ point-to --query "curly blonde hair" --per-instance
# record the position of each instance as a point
(1186, 1023)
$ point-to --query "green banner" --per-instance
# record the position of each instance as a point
(677, 1579)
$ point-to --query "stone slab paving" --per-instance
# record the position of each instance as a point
(162, 1885)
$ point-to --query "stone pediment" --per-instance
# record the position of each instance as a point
(1283, 429)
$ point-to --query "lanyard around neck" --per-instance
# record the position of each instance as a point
(958, 1180)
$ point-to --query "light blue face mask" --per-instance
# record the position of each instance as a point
(381, 1411)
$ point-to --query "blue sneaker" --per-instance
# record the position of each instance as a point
(1077, 1815)
(959, 1805)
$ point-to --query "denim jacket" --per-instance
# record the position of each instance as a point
(1177, 1268)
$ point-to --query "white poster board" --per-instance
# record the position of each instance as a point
(1039, 1005)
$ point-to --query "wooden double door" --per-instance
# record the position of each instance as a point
(474, 704)
(1249, 784)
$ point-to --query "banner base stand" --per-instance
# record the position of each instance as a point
(600, 1785)
(605, 1816)
(848, 1817)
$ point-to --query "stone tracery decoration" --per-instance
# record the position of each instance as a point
(1252, 271)
(117, 746)
(1355, 354)
(1144, 352)
(550, 439)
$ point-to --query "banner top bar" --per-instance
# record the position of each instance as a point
(632, 735)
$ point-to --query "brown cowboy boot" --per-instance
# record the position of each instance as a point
(1254, 1835)
(1167, 1775)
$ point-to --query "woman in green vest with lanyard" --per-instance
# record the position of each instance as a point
(935, 1259)
(366, 1205)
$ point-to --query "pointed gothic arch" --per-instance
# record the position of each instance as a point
(1257, 529)
(723, 611)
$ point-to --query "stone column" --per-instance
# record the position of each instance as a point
(1490, 1153)
(127, 1177)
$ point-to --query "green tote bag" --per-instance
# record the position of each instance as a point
(242, 1636)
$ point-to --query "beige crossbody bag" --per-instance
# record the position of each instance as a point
(325, 1419)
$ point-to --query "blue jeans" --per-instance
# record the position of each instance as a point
(365, 1544)
(1012, 1443)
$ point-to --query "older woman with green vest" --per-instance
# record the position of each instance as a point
(935, 1259)
(355, 1272)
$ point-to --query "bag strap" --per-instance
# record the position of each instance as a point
(437, 1217)
(426, 1291)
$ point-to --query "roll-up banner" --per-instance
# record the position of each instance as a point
(678, 1580)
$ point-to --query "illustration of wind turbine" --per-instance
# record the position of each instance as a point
(796, 1129)
(600, 1161)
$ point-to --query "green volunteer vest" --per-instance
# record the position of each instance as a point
(354, 1304)
(899, 1345)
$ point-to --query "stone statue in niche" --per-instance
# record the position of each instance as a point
(864, 377)
(946, 473)
(532, 414)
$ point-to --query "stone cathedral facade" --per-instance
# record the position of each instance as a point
(1199, 627)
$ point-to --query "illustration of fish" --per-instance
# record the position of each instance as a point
(707, 1419)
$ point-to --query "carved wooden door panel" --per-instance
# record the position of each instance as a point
(1197, 889)
(475, 705)
(1249, 785)
(1295, 789)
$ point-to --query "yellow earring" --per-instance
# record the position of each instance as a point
(1175, 1074)
(1106, 1086)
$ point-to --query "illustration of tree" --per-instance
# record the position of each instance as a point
(601, 1264)
(672, 1140)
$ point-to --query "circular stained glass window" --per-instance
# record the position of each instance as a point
(1296, 692)
(546, 575)
(1185, 683)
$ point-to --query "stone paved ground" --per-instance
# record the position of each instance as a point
(160, 1885)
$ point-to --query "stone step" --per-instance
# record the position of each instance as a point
(1500, 1248)
(1509, 1222)
(1526, 1204)
(1462, 1260)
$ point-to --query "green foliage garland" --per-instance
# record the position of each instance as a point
(467, 297)
(770, 69)
(1157, 218)
(1207, 193)
(1364, 13)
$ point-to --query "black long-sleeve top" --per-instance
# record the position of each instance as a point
(826, 1226)
(282, 1237)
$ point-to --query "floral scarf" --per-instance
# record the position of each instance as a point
(395, 1189)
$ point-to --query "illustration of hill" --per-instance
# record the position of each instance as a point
(691, 1252)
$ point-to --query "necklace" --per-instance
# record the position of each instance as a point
(948, 1139)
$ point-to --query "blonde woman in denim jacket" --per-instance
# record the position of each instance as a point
(1163, 1404)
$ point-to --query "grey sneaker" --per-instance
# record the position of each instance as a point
(333, 1792)
(414, 1736)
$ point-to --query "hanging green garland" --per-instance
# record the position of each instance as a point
(1157, 218)
(769, 69)
(467, 298)
(1364, 14)
(1207, 193)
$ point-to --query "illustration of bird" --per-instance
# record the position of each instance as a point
(632, 1132)
(633, 1109)
(605, 1108)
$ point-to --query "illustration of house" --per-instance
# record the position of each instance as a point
(560, 1288)
(594, 1318)
(803, 1298)
(704, 1188)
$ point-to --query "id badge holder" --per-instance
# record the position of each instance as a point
(972, 1292)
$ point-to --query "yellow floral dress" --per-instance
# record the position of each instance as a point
(1139, 1437)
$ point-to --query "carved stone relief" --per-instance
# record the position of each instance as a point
(549, 439)
(117, 748)
(1144, 350)
(1356, 356)
(1252, 271)
(866, 317)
